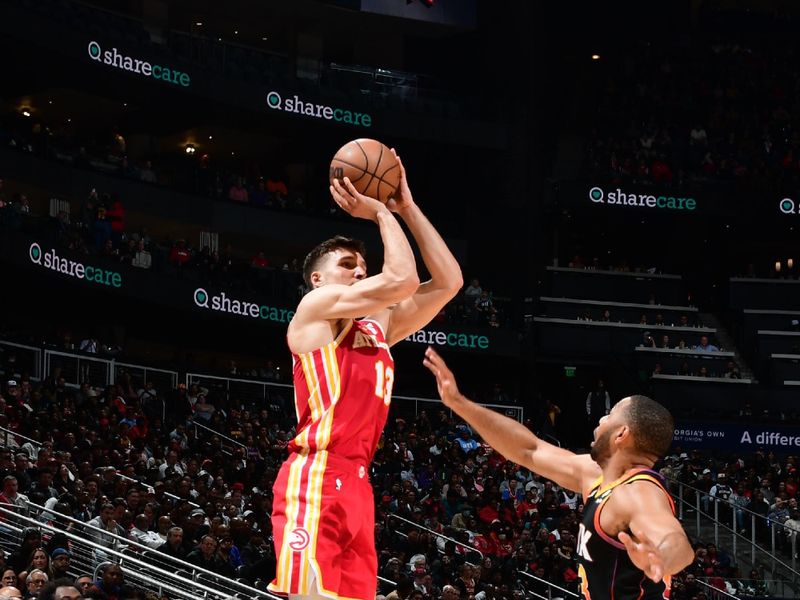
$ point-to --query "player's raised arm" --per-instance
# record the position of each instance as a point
(446, 279)
(512, 439)
(359, 295)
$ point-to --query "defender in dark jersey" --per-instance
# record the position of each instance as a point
(630, 542)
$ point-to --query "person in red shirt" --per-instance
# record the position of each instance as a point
(140, 429)
(259, 261)
(791, 486)
(180, 254)
(529, 506)
(116, 214)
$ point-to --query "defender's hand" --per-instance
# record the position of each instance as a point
(445, 380)
(355, 203)
(643, 554)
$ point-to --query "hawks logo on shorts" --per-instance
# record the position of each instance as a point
(299, 538)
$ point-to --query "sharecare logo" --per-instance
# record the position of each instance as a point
(114, 58)
(429, 337)
(787, 206)
(225, 304)
(618, 197)
(319, 111)
(51, 260)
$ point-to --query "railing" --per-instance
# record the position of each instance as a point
(439, 535)
(31, 359)
(161, 378)
(510, 410)
(713, 592)
(195, 424)
(256, 390)
(550, 587)
(175, 572)
(87, 556)
(762, 587)
(150, 489)
(77, 368)
(721, 531)
(6, 433)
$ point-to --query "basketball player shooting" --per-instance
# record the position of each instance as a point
(340, 336)
(629, 543)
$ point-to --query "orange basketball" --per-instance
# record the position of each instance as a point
(371, 167)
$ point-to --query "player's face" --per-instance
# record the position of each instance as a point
(343, 267)
(601, 448)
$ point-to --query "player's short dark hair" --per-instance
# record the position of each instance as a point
(335, 243)
(652, 425)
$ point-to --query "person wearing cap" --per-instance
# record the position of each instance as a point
(60, 562)
(12, 388)
(721, 490)
(194, 528)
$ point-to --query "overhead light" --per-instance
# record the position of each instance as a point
(236, 32)
(124, 104)
(49, 101)
(219, 39)
(69, 119)
(190, 149)
(26, 112)
(264, 39)
(199, 23)
(211, 137)
(232, 153)
(595, 57)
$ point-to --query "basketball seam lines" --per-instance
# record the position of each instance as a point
(364, 171)
(382, 180)
(380, 156)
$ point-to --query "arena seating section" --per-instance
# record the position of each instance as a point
(170, 449)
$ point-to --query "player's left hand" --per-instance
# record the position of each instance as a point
(445, 380)
(402, 198)
(643, 554)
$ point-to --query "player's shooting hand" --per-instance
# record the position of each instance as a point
(353, 202)
(643, 554)
(402, 198)
(445, 380)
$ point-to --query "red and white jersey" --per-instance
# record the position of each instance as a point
(342, 393)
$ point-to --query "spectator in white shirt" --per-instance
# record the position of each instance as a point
(139, 533)
(142, 258)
